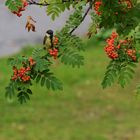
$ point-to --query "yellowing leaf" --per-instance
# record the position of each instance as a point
(30, 24)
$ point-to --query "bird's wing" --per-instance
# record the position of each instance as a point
(44, 40)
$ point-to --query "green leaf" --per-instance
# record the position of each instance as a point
(29, 91)
(42, 81)
(41, 64)
(38, 78)
(10, 90)
(7, 2)
(23, 96)
(56, 7)
(13, 5)
(111, 73)
(126, 73)
(48, 84)
(72, 58)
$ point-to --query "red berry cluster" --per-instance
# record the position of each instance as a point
(20, 9)
(111, 49)
(31, 61)
(23, 72)
(97, 6)
(53, 52)
(113, 46)
(132, 54)
(55, 42)
(127, 2)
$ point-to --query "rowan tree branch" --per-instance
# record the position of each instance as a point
(32, 2)
(84, 16)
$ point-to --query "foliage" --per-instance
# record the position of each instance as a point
(13, 4)
(120, 71)
(55, 7)
(122, 46)
(72, 58)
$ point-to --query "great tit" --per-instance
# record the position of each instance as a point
(48, 40)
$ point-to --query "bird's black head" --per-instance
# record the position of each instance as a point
(50, 32)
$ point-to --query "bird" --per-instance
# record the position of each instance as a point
(48, 40)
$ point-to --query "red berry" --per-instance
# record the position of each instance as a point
(19, 14)
(53, 52)
(97, 6)
(31, 61)
(132, 54)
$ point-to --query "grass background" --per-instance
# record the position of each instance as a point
(82, 111)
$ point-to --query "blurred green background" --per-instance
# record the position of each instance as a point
(82, 111)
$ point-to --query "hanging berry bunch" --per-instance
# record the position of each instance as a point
(127, 3)
(132, 54)
(97, 7)
(111, 49)
(54, 51)
(23, 73)
(119, 49)
(17, 6)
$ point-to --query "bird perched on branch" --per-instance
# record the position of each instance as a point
(48, 40)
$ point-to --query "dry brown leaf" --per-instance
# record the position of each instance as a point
(30, 24)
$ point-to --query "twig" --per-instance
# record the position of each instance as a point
(86, 13)
(32, 2)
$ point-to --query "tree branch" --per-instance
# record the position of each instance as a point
(32, 2)
(86, 13)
